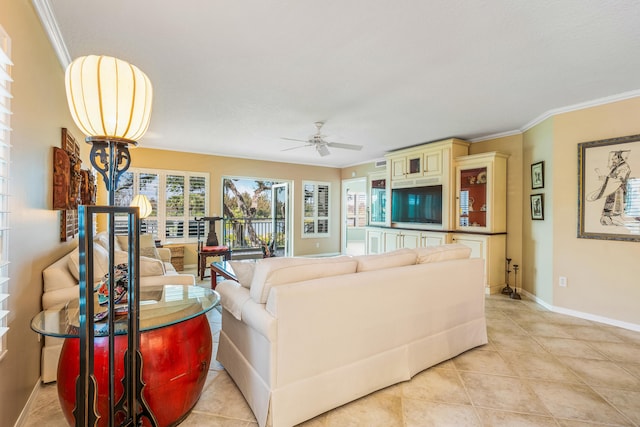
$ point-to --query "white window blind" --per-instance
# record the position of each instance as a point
(176, 198)
(315, 221)
(5, 149)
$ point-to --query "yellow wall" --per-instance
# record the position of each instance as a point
(538, 235)
(603, 275)
(219, 167)
(39, 111)
(359, 171)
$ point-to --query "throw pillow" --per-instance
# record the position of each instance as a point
(100, 263)
(147, 266)
(443, 253)
(102, 239)
(146, 241)
(271, 272)
(243, 271)
(398, 258)
(150, 252)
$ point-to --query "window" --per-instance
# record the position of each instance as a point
(176, 199)
(315, 221)
(5, 150)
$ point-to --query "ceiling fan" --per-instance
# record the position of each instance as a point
(321, 145)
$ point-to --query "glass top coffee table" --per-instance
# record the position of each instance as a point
(175, 344)
(160, 306)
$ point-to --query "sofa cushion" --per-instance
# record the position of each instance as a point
(58, 276)
(150, 252)
(271, 272)
(147, 245)
(148, 266)
(100, 263)
(443, 253)
(244, 271)
(397, 258)
(102, 239)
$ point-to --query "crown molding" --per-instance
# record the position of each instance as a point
(581, 106)
(556, 111)
(496, 135)
(50, 25)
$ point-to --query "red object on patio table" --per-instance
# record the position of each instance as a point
(175, 363)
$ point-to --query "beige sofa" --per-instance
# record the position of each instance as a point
(301, 336)
(60, 283)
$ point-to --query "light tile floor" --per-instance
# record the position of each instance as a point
(539, 369)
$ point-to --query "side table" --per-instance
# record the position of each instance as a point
(177, 257)
(175, 342)
(222, 268)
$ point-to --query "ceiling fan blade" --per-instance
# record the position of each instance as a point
(346, 146)
(298, 140)
(295, 148)
(322, 149)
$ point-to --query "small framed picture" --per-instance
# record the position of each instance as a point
(537, 175)
(537, 206)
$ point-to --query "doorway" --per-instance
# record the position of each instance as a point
(256, 215)
(354, 216)
(280, 220)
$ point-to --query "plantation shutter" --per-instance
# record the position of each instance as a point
(5, 150)
(197, 197)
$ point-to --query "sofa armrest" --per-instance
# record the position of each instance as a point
(233, 296)
(59, 296)
(164, 254)
(236, 300)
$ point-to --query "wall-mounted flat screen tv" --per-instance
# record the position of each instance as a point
(417, 204)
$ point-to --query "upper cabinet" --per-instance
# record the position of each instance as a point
(481, 184)
(426, 164)
(378, 195)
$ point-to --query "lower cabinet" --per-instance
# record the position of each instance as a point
(375, 240)
(380, 240)
(491, 248)
(433, 239)
(400, 239)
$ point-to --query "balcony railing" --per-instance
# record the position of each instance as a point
(252, 233)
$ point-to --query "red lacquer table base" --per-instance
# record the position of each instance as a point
(175, 362)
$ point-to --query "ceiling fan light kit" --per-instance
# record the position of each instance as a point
(321, 145)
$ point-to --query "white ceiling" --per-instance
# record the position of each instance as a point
(234, 77)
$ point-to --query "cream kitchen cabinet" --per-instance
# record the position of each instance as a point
(375, 240)
(427, 164)
(379, 195)
(481, 192)
(481, 212)
(401, 239)
(492, 249)
(385, 239)
(434, 239)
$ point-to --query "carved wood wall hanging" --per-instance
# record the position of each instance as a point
(72, 186)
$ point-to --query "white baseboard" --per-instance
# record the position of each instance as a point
(582, 315)
(25, 411)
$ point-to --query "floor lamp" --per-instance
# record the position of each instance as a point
(110, 102)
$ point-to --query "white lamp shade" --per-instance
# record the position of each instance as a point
(142, 202)
(108, 97)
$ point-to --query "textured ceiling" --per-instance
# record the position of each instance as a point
(234, 77)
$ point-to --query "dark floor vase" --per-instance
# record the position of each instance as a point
(175, 363)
